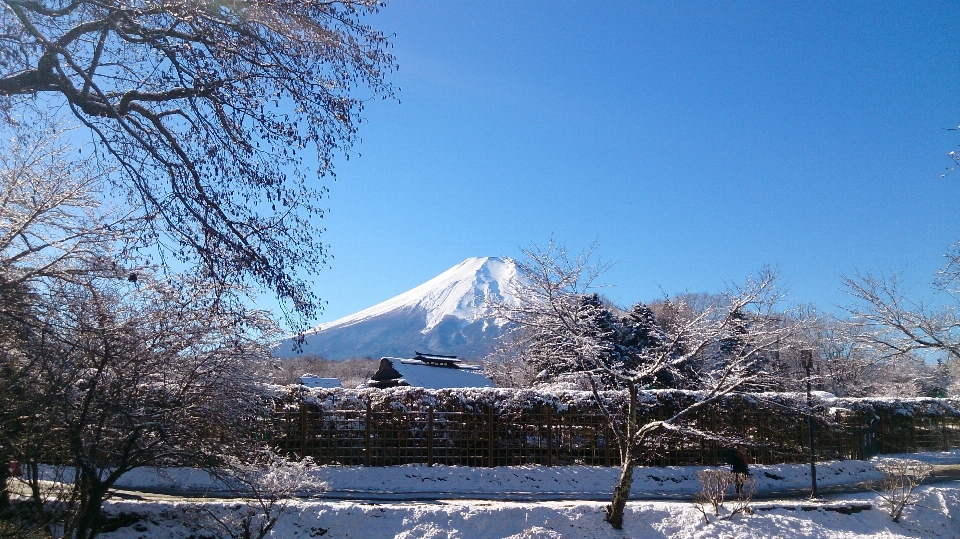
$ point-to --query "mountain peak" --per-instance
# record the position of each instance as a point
(445, 315)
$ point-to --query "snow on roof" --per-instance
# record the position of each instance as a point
(310, 380)
(419, 374)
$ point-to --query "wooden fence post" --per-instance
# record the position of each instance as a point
(490, 436)
(430, 436)
(303, 430)
(366, 452)
(913, 435)
(863, 437)
(549, 438)
(943, 434)
(951, 433)
(607, 431)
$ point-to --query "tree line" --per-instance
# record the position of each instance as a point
(744, 339)
(882, 345)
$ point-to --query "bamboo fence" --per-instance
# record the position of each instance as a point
(366, 432)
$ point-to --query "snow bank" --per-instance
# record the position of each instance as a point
(933, 517)
(586, 482)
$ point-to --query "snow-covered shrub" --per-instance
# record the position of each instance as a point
(900, 477)
(900, 407)
(714, 487)
(265, 484)
(507, 401)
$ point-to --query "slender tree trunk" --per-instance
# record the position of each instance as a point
(88, 517)
(89, 511)
(4, 477)
(33, 479)
(622, 492)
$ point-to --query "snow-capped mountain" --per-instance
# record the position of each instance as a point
(445, 315)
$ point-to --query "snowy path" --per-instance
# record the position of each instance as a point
(535, 483)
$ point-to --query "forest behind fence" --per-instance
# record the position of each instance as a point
(497, 427)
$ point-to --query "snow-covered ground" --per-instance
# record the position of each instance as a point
(934, 516)
(519, 483)
(419, 482)
(552, 505)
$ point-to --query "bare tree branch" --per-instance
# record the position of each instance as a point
(210, 110)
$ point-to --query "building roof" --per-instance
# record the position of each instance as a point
(310, 380)
(438, 360)
(431, 375)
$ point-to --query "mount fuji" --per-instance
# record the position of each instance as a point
(444, 315)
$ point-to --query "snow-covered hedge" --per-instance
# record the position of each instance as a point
(500, 400)
(562, 401)
(925, 407)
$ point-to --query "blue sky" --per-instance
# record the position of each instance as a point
(695, 142)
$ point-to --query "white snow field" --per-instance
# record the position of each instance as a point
(542, 502)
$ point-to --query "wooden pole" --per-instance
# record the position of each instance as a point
(607, 435)
(303, 431)
(430, 436)
(813, 450)
(366, 452)
(490, 437)
(549, 438)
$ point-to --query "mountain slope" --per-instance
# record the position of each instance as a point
(444, 315)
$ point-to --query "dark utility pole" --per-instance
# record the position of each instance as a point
(806, 357)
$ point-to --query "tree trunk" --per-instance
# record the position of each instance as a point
(621, 493)
(4, 477)
(89, 512)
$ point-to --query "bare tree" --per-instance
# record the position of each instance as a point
(571, 329)
(843, 364)
(954, 155)
(208, 108)
(140, 375)
(266, 483)
(900, 478)
(53, 223)
(897, 326)
(104, 370)
(848, 363)
(508, 363)
(53, 229)
(558, 284)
